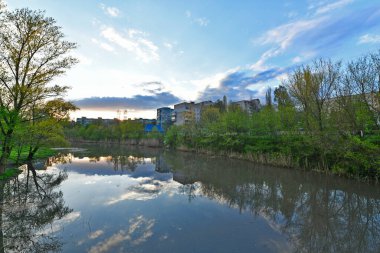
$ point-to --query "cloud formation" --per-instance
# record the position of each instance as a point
(140, 230)
(111, 11)
(201, 21)
(318, 34)
(134, 41)
(138, 102)
(282, 37)
(369, 39)
(242, 85)
(103, 45)
(332, 6)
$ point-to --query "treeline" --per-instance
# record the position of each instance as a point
(117, 131)
(32, 53)
(326, 116)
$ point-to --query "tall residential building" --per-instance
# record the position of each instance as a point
(183, 113)
(197, 108)
(187, 111)
(249, 106)
(164, 116)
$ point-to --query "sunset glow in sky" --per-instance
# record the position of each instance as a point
(143, 54)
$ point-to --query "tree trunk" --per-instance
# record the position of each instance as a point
(32, 152)
(5, 151)
(2, 250)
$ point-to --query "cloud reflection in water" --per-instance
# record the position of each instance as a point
(140, 229)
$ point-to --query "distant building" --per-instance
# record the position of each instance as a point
(183, 113)
(87, 121)
(146, 121)
(151, 128)
(188, 111)
(164, 116)
(249, 106)
(198, 108)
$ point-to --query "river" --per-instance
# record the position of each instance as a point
(123, 199)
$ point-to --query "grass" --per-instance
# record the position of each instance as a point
(10, 173)
(42, 153)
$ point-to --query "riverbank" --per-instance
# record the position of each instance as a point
(16, 159)
(146, 142)
(284, 152)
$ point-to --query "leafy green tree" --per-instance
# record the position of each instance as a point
(45, 126)
(285, 107)
(312, 87)
(32, 53)
(364, 79)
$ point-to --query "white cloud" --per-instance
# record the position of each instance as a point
(332, 6)
(103, 45)
(369, 39)
(189, 90)
(59, 224)
(96, 234)
(83, 60)
(140, 230)
(303, 57)
(297, 59)
(168, 45)
(134, 41)
(201, 21)
(111, 11)
(282, 37)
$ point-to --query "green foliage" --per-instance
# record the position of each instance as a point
(359, 157)
(172, 137)
(321, 138)
(115, 131)
(22, 155)
(10, 173)
(33, 52)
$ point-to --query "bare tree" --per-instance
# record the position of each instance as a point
(32, 53)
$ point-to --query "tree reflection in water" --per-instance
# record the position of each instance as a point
(318, 213)
(28, 204)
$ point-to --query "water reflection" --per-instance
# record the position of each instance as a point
(151, 200)
(28, 204)
(318, 213)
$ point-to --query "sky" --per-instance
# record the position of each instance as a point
(139, 55)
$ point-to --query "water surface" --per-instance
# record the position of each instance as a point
(120, 199)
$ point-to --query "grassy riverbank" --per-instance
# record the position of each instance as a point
(42, 153)
(20, 158)
(348, 156)
(335, 152)
(325, 117)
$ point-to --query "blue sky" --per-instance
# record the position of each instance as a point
(143, 54)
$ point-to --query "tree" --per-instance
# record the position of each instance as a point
(285, 107)
(312, 88)
(281, 96)
(268, 98)
(364, 78)
(2, 6)
(32, 53)
(44, 125)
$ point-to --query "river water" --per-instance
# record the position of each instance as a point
(122, 199)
